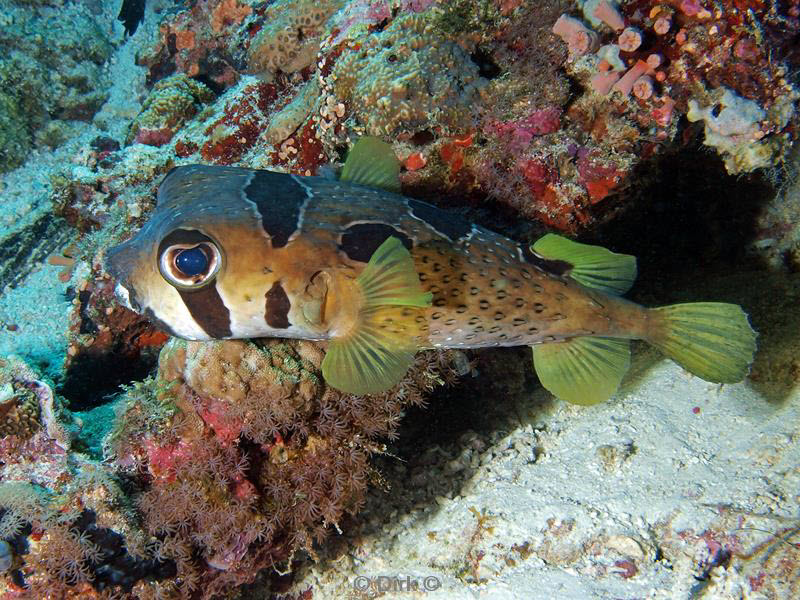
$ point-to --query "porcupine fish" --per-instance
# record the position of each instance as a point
(238, 253)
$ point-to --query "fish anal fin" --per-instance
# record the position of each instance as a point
(582, 370)
(594, 267)
(379, 348)
(373, 163)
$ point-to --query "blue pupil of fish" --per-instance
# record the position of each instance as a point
(192, 261)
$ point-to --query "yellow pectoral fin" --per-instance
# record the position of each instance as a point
(582, 370)
(380, 348)
(592, 266)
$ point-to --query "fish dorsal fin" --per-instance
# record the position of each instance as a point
(380, 348)
(594, 267)
(582, 370)
(372, 162)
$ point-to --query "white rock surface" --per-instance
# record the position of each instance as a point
(660, 493)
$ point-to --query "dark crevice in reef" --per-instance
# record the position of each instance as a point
(689, 216)
(93, 379)
(115, 567)
(117, 356)
(24, 250)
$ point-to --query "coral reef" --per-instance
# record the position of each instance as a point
(172, 102)
(197, 41)
(58, 510)
(407, 77)
(234, 458)
(732, 126)
(289, 39)
(237, 456)
(246, 457)
(638, 76)
(107, 344)
(52, 68)
(695, 61)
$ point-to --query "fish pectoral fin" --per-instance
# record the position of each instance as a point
(372, 162)
(391, 326)
(594, 267)
(582, 370)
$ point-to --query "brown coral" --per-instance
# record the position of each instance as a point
(228, 12)
(409, 76)
(19, 411)
(171, 103)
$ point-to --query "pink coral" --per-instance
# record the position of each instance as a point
(603, 82)
(625, 83)
(690, 7)
(153, 137)
(608, 14)
(643, 87)
(654, 61)
(522, 131)
(663, 114)
(630, 39)
(579, 39)
(662, 25)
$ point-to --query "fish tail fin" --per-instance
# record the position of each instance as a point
(712, 340)
(390, 327)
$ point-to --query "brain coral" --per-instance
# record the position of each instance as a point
(171, 103)
(19, 411)
(289, 40)
(407, 76)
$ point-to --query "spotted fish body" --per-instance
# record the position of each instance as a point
(289, 253)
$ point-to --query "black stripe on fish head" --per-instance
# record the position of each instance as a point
(208, 310)
(279, 200)
(558, 268)
(277, 307)
(361, 240)
(151, 316)
(450, 225)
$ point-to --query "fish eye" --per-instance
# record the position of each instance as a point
(190, 265)
(192, 261)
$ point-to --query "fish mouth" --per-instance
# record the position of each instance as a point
(118, 262)
(123, 296)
